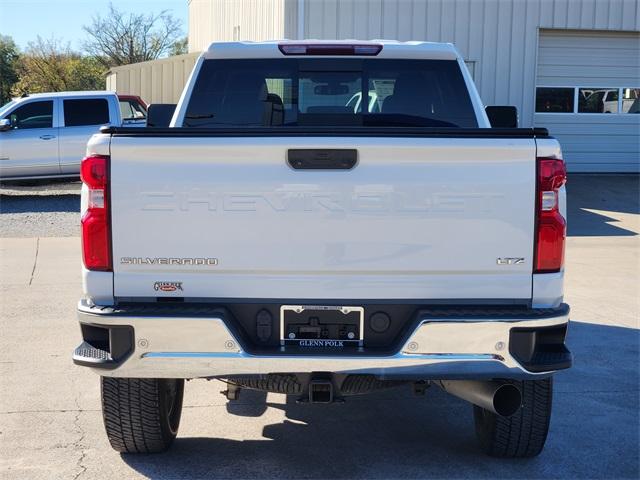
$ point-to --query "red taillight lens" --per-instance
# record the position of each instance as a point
(96, 240)
(95, 223)
(93, 171)
(550, 224)
(367, 50)
(552, 173)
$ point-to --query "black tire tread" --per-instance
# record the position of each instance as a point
(133, 415)
(523, 434)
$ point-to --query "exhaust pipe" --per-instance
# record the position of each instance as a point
(503, 399)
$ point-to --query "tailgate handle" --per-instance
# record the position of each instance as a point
(322, 159)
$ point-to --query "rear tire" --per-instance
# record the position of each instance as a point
(141, 415)
(524, 433)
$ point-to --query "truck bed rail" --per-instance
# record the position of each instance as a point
(328, 132)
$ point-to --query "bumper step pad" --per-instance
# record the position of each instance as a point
(88, 354)
(103, 346)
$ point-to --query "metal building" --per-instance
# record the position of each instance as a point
(572, 66)
(156, 81)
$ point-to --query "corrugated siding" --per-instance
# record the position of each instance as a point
(592, 142)
(602, 59)
(290, 19)
(498, 36)
(158, 81)
(228, 20)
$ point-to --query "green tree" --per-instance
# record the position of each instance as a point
(8, 67)
(180, 47)
(51, 66)
(121, 39)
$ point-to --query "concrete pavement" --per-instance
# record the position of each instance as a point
(51, 425)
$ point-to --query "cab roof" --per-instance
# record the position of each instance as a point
(275, 48)
(87, 93)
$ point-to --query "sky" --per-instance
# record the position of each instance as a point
(24, 20)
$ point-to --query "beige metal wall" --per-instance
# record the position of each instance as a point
(157, 81)
(499, 38)
(227, 20)
(599, 60)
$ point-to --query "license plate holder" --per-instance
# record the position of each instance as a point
(321, 326)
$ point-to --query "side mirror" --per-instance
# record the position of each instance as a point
(159, 114)
(5, 124)
(502, 116)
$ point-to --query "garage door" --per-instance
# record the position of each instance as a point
(587, 95)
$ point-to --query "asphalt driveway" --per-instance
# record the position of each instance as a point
(51, 425)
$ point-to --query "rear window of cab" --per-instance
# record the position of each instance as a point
(329, 92)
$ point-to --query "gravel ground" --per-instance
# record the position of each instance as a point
(40, 209)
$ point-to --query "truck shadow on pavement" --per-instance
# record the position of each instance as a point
(393, 434)
(591, 199)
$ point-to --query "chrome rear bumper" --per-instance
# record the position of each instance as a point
(187, 346)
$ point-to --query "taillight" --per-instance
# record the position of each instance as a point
(95, 223)
(362, 49)
(550, 224)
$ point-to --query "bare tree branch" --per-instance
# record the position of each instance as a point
(120, 39)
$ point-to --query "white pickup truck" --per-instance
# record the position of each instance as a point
(45, 135)
(276, 238)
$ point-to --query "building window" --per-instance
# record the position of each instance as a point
(587, 100)
(631, 100)
(597, 100)
(554, 100)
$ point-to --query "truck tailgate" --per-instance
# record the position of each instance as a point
(416, 218)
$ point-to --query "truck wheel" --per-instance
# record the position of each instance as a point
(524, 433)
(141, 415)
